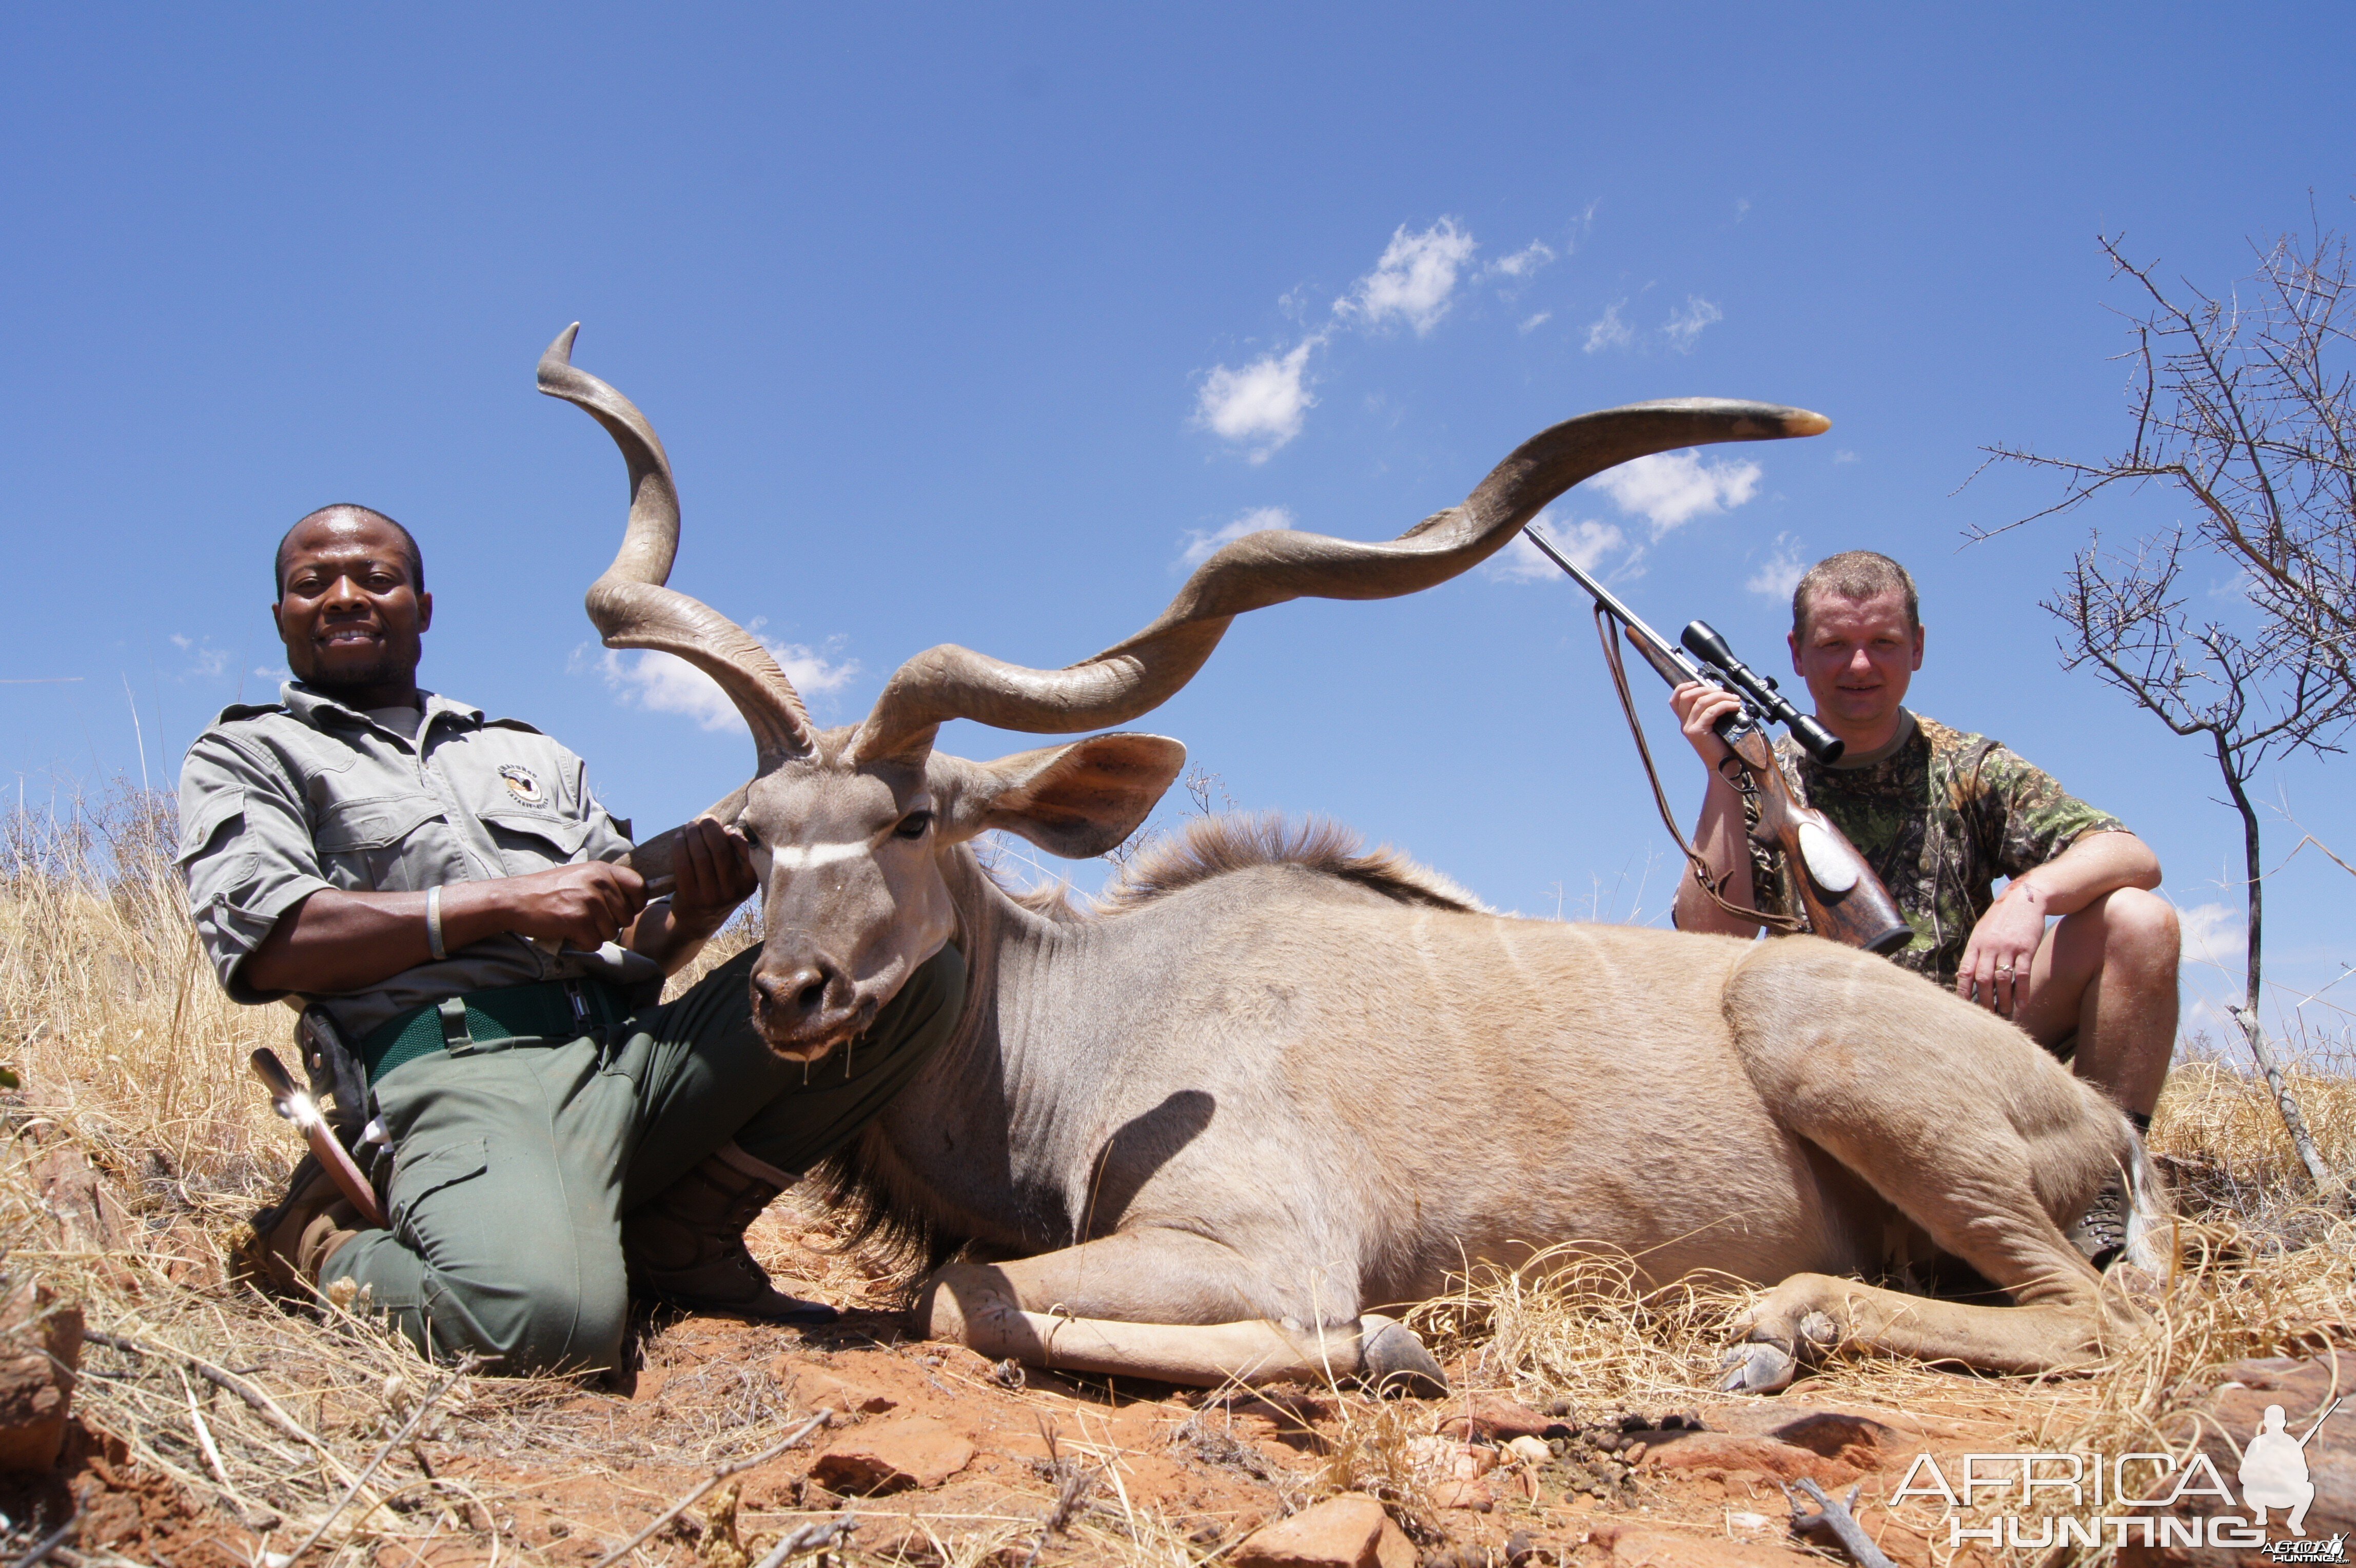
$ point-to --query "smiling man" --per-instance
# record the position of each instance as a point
(442, 891)
(1941, 815)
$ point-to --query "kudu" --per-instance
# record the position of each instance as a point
(1272, 1084)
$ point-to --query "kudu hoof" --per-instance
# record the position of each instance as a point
(1756, 1369)
(1391, 1360)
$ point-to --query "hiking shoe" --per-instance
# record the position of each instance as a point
(686, 1246)
(281, 1250)
(2101, 1233)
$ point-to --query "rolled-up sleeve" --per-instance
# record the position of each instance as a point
(246, 852)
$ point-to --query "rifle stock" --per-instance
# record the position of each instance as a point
(1844, 900)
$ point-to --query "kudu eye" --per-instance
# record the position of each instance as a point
(752, 834)
(914, 825)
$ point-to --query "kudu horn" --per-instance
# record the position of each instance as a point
(629, 604)
(1268, 568)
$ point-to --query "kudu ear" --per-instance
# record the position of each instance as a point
(1074, 801)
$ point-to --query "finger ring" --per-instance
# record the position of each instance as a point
(2004, 969)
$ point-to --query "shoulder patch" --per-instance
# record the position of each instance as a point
(523, 784)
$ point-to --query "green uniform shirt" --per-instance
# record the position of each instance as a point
(1939, 820)
(279, 801)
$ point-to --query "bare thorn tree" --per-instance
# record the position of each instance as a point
(2236, 627)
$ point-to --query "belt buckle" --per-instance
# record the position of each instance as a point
(573, 994)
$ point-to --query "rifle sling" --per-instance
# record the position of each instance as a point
(1712, 886)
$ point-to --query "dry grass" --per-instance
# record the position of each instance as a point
(132, 1061)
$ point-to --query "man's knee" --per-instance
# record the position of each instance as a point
(2140, 931)
(544, 1319)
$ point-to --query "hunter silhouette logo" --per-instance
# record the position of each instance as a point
(2274, 1476)
(2106, 1498)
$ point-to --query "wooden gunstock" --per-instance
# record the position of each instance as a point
(1842, 897)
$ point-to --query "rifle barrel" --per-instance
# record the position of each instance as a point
(1660, 646)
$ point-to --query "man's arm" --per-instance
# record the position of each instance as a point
(2004, 943)
(337, 941)
(1721, 834)
(714, 871)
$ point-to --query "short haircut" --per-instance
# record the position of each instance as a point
(408, 543)
(1856, 574)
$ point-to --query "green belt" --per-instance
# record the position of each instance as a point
(555, 1011)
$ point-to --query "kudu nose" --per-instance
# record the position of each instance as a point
(802, 1001)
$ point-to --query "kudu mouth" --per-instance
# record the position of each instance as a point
(805, 1005)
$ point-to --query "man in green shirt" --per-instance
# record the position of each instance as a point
(1941, 815)
(444, 890)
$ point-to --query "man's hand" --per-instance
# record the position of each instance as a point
(714, 871)
(1698, 706)
(584, 905)
(1997, 960)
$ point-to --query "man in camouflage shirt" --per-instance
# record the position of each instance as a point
(1940, 815)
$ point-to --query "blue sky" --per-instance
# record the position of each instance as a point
(966, 328)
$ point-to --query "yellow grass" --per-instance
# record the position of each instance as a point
(131, 1059)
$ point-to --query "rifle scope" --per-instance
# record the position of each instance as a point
(1705, 644)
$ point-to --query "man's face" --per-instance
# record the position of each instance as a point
(349, 609)
(1858, 658)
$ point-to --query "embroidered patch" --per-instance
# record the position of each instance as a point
(522, 783)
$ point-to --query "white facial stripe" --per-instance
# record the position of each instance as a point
(798, 856)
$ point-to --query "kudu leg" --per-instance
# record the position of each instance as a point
(1170, 1306)
(1962, 1124)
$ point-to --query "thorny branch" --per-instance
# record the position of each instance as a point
(2245, 405)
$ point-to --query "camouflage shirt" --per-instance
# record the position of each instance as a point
(1939, 820)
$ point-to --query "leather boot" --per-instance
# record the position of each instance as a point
(283, 1250)
(686, 1246)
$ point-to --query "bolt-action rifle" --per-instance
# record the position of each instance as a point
(1839, 894)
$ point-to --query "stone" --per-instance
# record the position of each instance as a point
(824, 1391)
(1474, 1496)
(1640, 1546)
(1348, 1531)
(1724, 1454)
(902, 1453)
(40, 1351)
(2230, 1415)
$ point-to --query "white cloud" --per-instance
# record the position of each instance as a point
(1683, 326)
(2214, 934)
(1741, 209)
(1202, 546)
(1525, 261)
(1608, 331)
(1781, 572)
(1586, 543)
(1844, 455)
(1260, 405)
(666, 684)
(1535, 322)
(1414, 279)
(1669, 490)
(205, 661)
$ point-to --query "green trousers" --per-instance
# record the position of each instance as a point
(514, 1163)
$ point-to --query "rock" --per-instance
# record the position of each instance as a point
(88, 1216)
(1530, 1450)
(1499, 1419)
(1772, 1457)
(1474, 1497)
(1639, 1546)
(40, 1350)
(894, 1456)
(1347, 1531)
(2230, 1415)
(824, 1391)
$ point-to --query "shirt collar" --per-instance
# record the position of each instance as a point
(313, 707)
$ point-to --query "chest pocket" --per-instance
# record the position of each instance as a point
(533, 841)
(383, 845)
